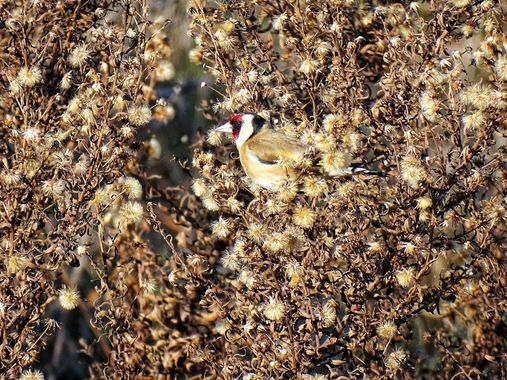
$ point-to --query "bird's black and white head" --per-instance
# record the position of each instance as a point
(243, 126)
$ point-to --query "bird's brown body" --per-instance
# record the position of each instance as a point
(264, 153)
(261, 155)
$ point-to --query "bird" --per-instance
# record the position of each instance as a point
(262, 152)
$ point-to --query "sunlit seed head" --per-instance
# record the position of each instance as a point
(467, 29)
(222, 326)
(139, 115)
(214, 137)
(405, 277)
(66, 81)
(315, 187)
(424, 202)
(304, 217)
(429, 106)
(127, 132)
(154, 148)
(74, 104)
(309, 66)
(240, 247)
(243, 96)
(352, 141)
(234, 205)
(408, 247)
(224, 40)
(195, 55)
(412, 172)
(81, 250)
(53, 188)
(479, 96)
(328, 315)
(387, 330)
(199, 187)
(323, 48)
(148, 286)
(345, 189)
(275, 242)
(474, 121)
(460, 3)
(221, 228)
(247, 278)
(256, 232)
(209, 202)
(396, 359)
(252, 76)
(274, 309)
(279, 21)
(501, 67)
(31, 134)
(288, 191)
(32, 375)
(79, 55)
(230, 261)
(293, 271)
(87, 116)
(274, 206)
(324, 142)
(29, 76)
(164, 71)
(130, 213)
(10, 177)
(69, 298)
(101, 197)
(15, 87)
(16, 263)
(414, 6)
(336, 163)
(131, 187)
(395, 41)
(228, 26)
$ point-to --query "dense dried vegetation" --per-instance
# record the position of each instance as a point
(401, 276)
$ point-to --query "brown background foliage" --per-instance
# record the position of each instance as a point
(400, 276)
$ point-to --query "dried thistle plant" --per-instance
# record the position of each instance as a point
(76, 84)
(395, 277)
(334, 277)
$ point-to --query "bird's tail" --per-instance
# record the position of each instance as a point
(356, 170)
(353, 170)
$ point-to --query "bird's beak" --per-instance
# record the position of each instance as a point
(227, 127)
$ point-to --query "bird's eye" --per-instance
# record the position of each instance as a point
(236, 127)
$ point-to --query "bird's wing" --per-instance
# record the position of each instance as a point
(273, 147)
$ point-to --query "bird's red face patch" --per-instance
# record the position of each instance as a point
(236, 122)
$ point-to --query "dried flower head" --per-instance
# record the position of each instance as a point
(387, 330)
(424, 203)
(274, 309)
(131, 187)
(405, 277)
(309, 66)
(139, 115)
(29, 76)
(412, 171)
(304, 217)
(130, 213)
(336, 163)
(69, 298)
(79, 55)
(32, 375)
(221, 228)
(396, 359)
(16, 263)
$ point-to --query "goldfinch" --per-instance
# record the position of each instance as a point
(263, 151)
